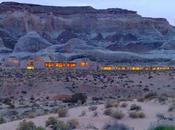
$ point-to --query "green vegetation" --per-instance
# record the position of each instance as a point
(117, 114)
(55, 124)
(2, 120)
(116, 126)
(163, 127)
(62, 112)
(73, 124)
(28, 126)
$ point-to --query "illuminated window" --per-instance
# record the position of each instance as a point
(83, 64)
(107, 68)
(30, 67)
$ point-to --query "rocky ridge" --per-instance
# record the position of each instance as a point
(82, 31)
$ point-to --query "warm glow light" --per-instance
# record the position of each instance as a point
(107, 68)
(30, 67)
(83, 64)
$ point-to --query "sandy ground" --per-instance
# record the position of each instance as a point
(149, 108)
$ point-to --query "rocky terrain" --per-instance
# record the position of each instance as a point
(26, 93)
(84, 99)
(103, 35)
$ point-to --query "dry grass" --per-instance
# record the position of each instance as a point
(117, 114)
(73, 123)
(136, 115)
(62, 112)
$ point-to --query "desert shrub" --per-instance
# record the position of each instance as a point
(108, 112)
(73, 124)
(124, 105)
(76, 98)
(92, 127)
(163, 98)
(28, 126)
(110, 104)
(31, 115)
(140, 99)
(51, 121)
(40, 128)
(2, 120)
(136, 115)
(116, 126)
(8, 102)
(172, 108)
(95, 114)
(117, 114)
(150, 96)
(92, 108)
(54, 124)
(135, 107)
(83, 113)
(62, 112)
(163, 127)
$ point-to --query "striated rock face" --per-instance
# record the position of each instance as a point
(31, 42)
(1, 43)
(76, 30)
(8, 40)
(170, 44)
(22, 18)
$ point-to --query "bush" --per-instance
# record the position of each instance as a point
(73, 124)
(108, 112)
(117, 114)
(150, 96)
(163, 127)
(135, 107)
(28, 126)
(136, 115)
(110, 104)
(95, 114)
(55, 124)
(124, 105)
(83, 113)
(51, 121)
(31, 115)
(60, 125)
(78, 97)
(116, 126)
(172, 108)
(62, 112)
(2, 120)
(40, 128)
(92, 108)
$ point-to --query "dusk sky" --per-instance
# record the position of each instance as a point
(147, 8)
